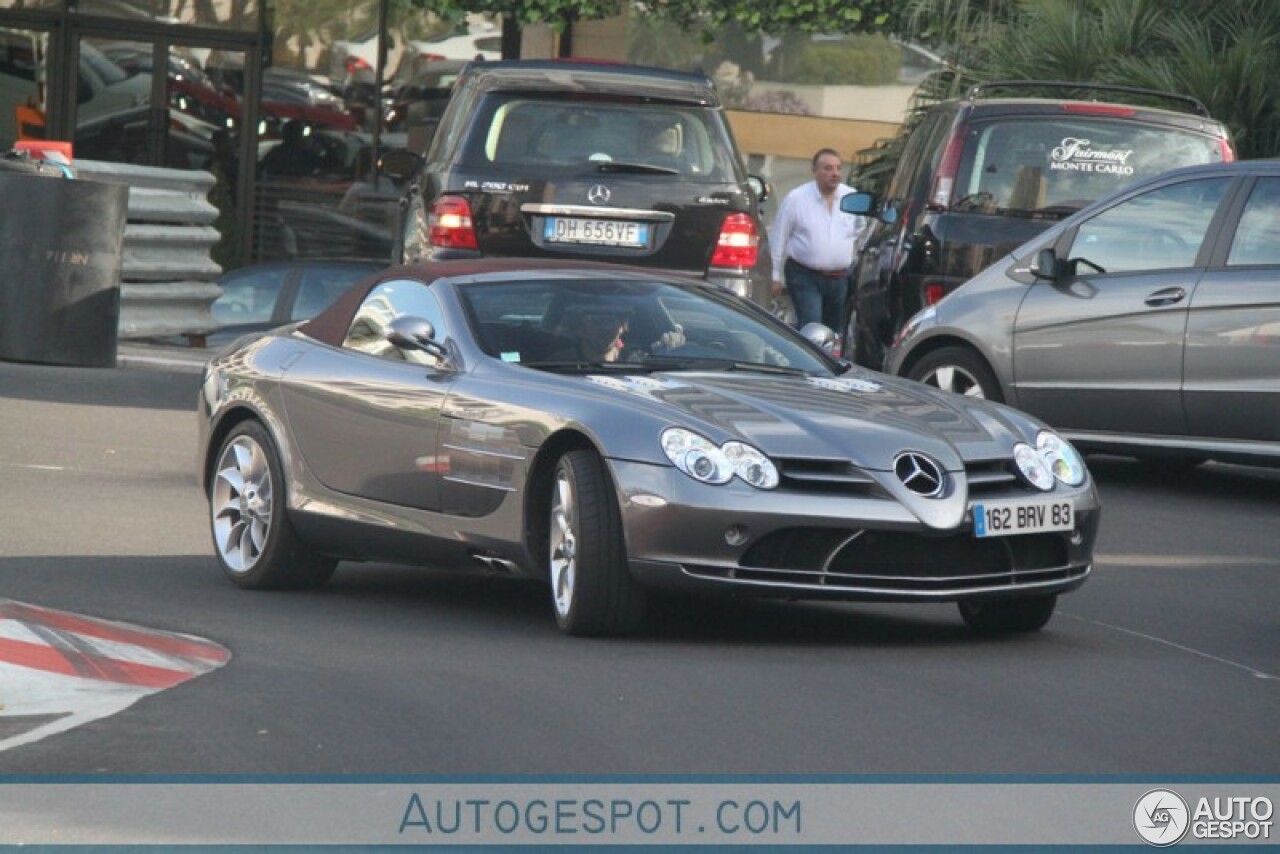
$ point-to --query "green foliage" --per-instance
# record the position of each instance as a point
(858, 61)
(228, 251)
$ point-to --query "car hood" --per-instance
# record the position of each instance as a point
(862, 417)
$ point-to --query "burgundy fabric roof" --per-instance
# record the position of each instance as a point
(331, 325)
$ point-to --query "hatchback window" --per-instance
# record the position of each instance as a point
(1257, 239)
(1058, 166)
(1159, 230)
(560, 135)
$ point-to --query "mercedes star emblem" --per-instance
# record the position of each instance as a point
(919, 474)
(598, 195)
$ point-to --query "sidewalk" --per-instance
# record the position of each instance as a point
(147, 355)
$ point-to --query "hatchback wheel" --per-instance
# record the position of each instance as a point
(255, 543)
(1008, 616)
(591, 586)
(959, 371)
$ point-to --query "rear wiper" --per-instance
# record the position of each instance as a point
(637, 168)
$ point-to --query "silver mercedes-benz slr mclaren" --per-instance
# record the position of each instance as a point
(616, 431)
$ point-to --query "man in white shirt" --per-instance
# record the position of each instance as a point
(814, 244)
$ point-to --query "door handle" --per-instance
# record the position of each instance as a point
(1166, 296)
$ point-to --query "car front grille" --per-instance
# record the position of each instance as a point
(838, 477)
(892, 563)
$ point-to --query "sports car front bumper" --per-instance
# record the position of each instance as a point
(800, 544)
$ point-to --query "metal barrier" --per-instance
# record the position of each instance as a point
(167, 277)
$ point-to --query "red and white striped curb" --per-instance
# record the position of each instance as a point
(59, 670)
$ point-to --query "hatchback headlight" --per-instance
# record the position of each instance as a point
(1063, 460)
(700, 459)
(1032, 467)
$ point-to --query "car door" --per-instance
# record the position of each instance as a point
(366, 416)
(1101, 350)
(1231, 387)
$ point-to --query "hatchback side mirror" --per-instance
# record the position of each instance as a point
(1045, 266)
(822, 337)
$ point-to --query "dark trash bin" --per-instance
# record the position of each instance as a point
(60, 257)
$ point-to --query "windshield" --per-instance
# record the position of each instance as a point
(586, 324)
(561, 135)
(1057, 166)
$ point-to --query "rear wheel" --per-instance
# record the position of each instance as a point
(254, 541)
(1008, 616)
(592, 589)
(959, 371)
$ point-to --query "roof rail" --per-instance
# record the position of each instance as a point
(1197, 106)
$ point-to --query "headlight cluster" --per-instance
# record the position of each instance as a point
(702, 460)
(1051, 459)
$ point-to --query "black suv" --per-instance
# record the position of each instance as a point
(980, 176)
(590, 161)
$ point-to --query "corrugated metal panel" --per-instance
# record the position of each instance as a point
(167, 282)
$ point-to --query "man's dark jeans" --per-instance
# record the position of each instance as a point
(817, 298)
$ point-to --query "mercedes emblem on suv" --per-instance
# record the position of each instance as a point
(598, 195)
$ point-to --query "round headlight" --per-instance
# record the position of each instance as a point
(751, 465)
(696, 456)
(1032, 467)
(1062, 459)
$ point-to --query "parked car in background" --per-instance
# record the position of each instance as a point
(981, 175)
(613, 431)
(586, 161)
(418, 99)
(1146, 324)
(263, 296)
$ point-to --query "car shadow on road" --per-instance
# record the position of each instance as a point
(143, 389)
(520, 607)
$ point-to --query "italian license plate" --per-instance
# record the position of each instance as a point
(1007, 518)
(600, 232)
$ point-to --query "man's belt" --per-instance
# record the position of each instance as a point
(829, 274)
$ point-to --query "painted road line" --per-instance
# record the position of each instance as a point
(59, 670)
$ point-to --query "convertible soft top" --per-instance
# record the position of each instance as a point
(331, 325)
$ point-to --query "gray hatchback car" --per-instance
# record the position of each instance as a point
(1146, 324)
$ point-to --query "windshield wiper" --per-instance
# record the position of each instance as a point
(588, 365)
(690, 363)
(637, 168)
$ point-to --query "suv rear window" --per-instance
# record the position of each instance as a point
(1055, 165)
(544, 134)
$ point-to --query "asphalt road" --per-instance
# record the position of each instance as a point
(1166, 662)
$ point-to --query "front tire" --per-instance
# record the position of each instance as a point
(1018, 615)
(959, 371)
(252, 536)
(592, 590)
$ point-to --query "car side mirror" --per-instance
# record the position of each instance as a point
(1046, 266)
(821, 337)
(400, 165)
(415, 333)
(760, 187)
(867, 204)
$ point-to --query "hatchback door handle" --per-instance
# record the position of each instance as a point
(1166, 296)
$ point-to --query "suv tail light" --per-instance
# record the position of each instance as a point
(945, 178)
(739, 242)
(933, 291)
(1228, 153)
(450, 224)
(356, 63)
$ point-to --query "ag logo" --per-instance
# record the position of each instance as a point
(1161, 817)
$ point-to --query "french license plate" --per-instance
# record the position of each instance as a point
(1007, 518)
(601, 232)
